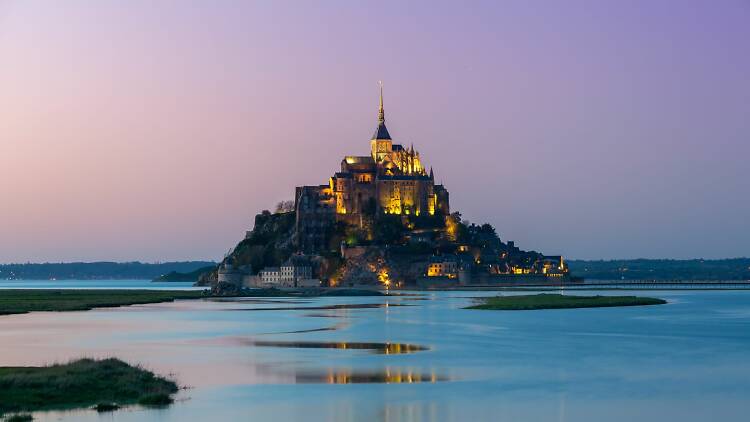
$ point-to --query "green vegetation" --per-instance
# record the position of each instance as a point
(389, 230)
(96, 270)
(269, 244)
(80, 383)
(106, 407)
(556, 301)
(663, 269)
(21, 417)
(191, 277)
(23, 301)
(155, 399)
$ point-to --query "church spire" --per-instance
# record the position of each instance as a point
(381, 112)
(381, 132)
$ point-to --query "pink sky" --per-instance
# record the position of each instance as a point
(151, 131)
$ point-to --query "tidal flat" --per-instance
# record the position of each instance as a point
(683, 361)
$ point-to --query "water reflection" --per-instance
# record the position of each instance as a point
(379, 348)
(255, 300)
(311, 330)
(327, 307)
(685, 362)
(385, 376)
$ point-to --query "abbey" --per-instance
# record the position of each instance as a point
(390, 180)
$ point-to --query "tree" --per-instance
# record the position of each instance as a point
(370, 207)
(388, 229)
(487, 228)
(455, 228)
(284, 207)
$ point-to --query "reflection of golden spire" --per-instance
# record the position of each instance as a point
(381, 112)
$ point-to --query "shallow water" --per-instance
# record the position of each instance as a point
(686, 361)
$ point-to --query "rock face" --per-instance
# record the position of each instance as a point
(208, 278)
(379, 266)
(361, 269)
(269, 244)
(388, 251)
(226, 289)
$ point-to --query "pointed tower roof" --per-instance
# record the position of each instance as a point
(381, 132)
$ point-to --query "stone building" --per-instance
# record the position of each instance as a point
(295, 272)
(228, 273)
(442, 267)
(392, 180)
(270, 275)
(315, 217)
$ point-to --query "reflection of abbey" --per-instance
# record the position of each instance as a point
(390, 180)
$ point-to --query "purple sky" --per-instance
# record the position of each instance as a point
(146, 130)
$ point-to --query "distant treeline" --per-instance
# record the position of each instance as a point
(96, 270)
(663, 269)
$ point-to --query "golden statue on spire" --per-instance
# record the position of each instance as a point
(381, 112)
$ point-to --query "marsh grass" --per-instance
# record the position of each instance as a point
(32, 300)
(21, 417)
(82, 383)
(156, 399)
(106, 407)
(557, 301)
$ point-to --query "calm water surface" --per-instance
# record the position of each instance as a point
(428, 361)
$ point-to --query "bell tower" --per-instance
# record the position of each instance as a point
(381, 144)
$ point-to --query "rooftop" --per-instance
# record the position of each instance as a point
(381, 132)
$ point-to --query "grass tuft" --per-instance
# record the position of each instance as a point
(157, 399)
(557, 301)
(82, 383)
(106, 407)
(21, 417)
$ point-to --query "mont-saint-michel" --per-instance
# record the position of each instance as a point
(380, 221)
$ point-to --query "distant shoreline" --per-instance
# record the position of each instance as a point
(660, 270)
(102, 270)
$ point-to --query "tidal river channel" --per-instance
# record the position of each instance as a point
(414, 357)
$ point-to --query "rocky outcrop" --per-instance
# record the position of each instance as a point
(225, 289)
(268, 244)
(376, 267)
(208, 278)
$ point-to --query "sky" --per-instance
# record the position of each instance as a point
(156, 130)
